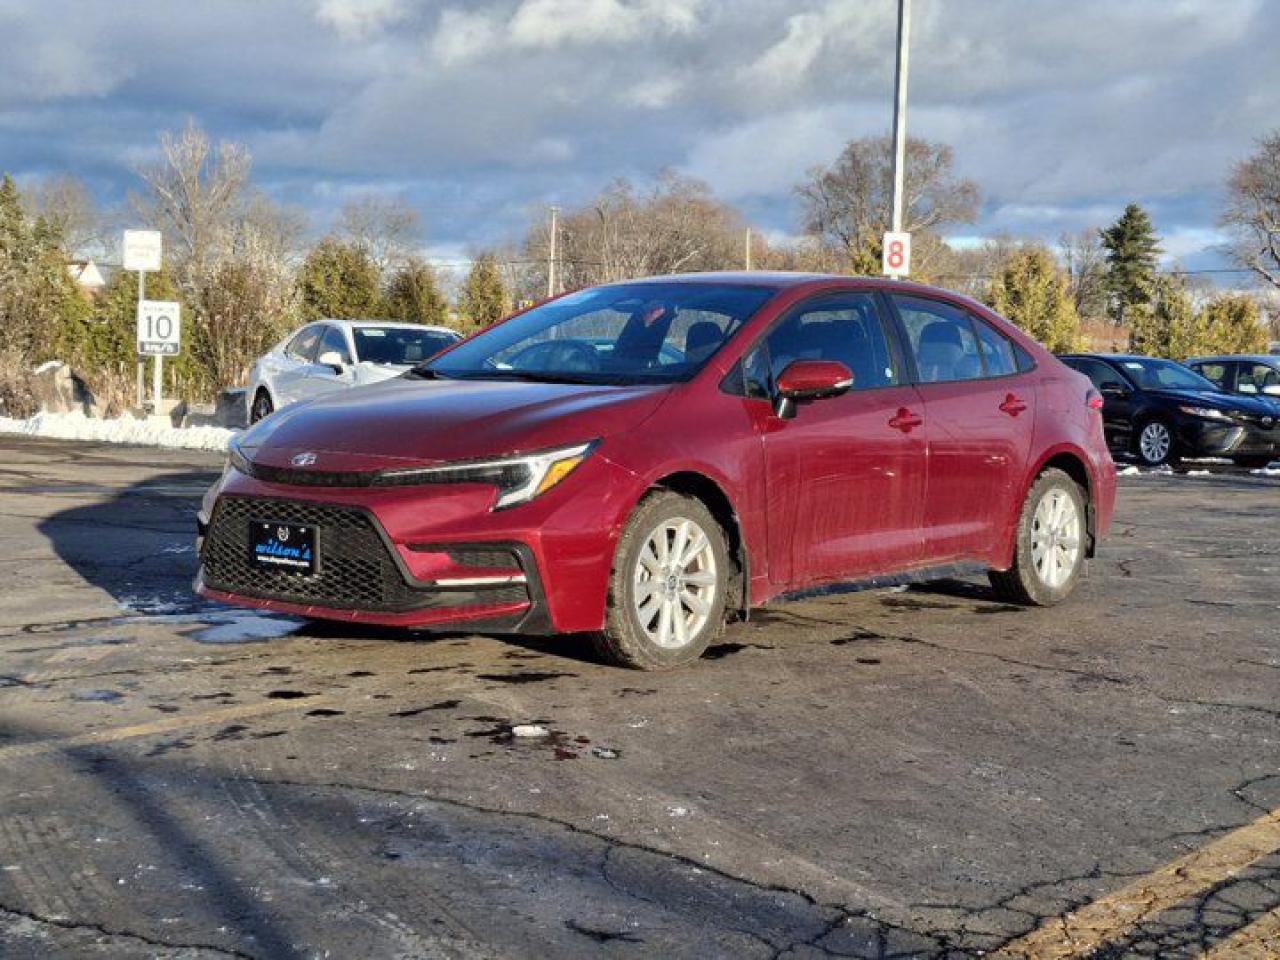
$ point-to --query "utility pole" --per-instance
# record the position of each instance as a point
(900, 111)
(551, 254)
(142, 363)
(747, 258)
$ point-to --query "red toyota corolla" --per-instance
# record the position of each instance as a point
(643, 460)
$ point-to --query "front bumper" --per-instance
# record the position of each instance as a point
(1212, 438)
(424, 557)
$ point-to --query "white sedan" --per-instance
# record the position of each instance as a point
(333, 355)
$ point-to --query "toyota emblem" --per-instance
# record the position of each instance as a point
(307, 459)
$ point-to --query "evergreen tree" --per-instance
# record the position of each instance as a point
(1232, 324)
(1031, 291)
(484, 299)
(1166, 325)
(1132, 252)
(338, 280)
(413, 296)
(13, 223)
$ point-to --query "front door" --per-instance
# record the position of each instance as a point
(845, 477)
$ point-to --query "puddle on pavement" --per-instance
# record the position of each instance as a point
(722, 650)
(97, 696)
(528, 676)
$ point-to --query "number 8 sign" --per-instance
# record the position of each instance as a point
(896, 261)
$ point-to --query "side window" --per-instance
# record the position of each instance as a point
(997, 351)
(335, 340)
(1265, 376)
(846, 329)
(303, 346)
(1217, 372)
(941, 338)
(1253, 377)
(1099, 373)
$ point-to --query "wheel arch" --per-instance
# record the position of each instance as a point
(1074, 463)
(712, 495)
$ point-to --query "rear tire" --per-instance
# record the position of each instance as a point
(262, 406)
(668, 586)
(1049, 552)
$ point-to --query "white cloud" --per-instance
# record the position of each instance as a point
(551, 23)
(356, 19)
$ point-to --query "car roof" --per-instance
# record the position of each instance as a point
(1270, 359)
(785, 280)
(395, 324)
(1117, 357)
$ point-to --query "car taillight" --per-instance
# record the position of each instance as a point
(1093, 400)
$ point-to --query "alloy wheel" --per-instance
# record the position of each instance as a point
(1055, 538)
(1155, 442)
(261, 407)
(674, 583)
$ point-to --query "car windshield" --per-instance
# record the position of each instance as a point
(629, 333)
(399, 346)
(1166, 375)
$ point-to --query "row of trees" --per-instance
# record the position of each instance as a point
(240, 265)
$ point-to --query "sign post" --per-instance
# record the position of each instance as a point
(142, 252)
(159, 336)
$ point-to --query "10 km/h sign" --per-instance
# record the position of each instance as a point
(159, 328)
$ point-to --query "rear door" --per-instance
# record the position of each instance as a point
(845, 485)
(1117, 398)
(979, 413)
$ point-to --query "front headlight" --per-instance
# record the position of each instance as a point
(1207, 413)
(237, 459)
(518, 479)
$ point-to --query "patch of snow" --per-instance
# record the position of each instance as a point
(1199, 473)
(1266, 472)
(529, 730)
(48, 365)
(674, 811)
(1128, 472)
(145, 433)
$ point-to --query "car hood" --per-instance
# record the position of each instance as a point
(1229, 402)
(433, 421)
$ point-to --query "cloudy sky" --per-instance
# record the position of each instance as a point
(482, 112)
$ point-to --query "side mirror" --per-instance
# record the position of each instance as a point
(1113, 389)
(333, 360)
(804, 381)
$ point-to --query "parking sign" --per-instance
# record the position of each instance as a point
(159, 328)
(142, 250)
(896, 260)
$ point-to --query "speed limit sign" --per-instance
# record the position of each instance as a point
(159, 328)
(896, 259)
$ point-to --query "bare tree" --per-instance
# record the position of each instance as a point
(1253, 210)
(196, 194)
(1085, 261)
(70, 210)
(388, 229)
(676, 226)
(848, 204)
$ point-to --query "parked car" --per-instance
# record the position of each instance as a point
(1250, 376)
(1160, 411)
(331, 355)
(745, 436)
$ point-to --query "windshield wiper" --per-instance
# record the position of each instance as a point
(425, 373)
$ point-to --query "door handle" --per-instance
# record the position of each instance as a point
(1013, 405)
(905, 420)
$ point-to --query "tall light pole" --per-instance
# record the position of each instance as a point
(900, 111)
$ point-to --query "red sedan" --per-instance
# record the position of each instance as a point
(644, 460)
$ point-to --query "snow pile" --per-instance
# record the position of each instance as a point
(76, 426)
(1266, 472)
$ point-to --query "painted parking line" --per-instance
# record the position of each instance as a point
(1081, 932)
(1260, 940)
(21, 751)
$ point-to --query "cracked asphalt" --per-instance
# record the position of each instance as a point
(923, 772)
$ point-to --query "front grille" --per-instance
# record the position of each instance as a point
(356, 569)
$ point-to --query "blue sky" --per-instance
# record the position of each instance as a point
(480, 113)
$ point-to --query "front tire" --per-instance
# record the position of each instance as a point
(1050, 550)
(668, 586)
(262, 406)
(1154, 444)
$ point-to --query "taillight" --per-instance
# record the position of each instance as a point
(1093, 400)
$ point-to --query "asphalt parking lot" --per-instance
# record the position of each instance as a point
(921, 772)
